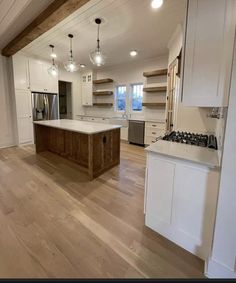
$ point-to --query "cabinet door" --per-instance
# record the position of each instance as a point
(21, 72)
(159, 191)
(36, 70)
(87, 89)
(194, 206)
(208, 52)
(50, 82)
(24, 116)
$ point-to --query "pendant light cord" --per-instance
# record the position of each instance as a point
(71, 55)
(98, 40)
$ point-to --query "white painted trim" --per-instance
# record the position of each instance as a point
(216, 270)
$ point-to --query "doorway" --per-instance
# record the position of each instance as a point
(65, 101)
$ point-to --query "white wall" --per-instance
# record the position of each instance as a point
(223, 261)
(127, 74)
(6, 104)
(193, 119)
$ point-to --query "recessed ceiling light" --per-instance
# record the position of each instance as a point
(133, 53)
(82, 65)
(156, 4)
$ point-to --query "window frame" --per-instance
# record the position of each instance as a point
(131, 98)
(116, 98)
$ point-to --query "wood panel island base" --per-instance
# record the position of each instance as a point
(94, 147)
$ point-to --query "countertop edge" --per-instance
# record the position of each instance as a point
(114, 127)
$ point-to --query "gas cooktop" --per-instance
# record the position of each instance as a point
(193, 139)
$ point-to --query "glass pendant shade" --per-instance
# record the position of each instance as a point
(71, 65)
(97, 57)
(53, 70)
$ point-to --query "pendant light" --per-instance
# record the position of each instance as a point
(71, 65)
(97, 57)
(53, 70)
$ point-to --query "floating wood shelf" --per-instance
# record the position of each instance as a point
(103, 81)
(103, 104)
(103, 93)
(155, 73)
(155, 89)
(154, 104)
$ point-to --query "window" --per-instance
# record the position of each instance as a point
(120, 98)
(136, 97)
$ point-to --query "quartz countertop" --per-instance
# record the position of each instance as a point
(78, 126)
(201, 155)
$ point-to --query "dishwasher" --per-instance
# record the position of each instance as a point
(136, 132)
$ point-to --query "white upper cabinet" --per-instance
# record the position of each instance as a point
(208, 50)
(40, 80)
(21, 72)
(87, 89)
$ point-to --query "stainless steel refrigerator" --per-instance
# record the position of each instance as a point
(45, 106)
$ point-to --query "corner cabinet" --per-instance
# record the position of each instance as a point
(40, 80)
(208, 52)
(87, 88)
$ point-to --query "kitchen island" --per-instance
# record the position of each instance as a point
(94, 147)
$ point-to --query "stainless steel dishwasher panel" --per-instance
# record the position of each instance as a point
(136, 132)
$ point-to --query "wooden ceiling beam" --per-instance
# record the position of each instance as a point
(57, 11)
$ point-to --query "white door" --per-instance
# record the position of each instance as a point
(24, 116)
(194, 206)
(21, 72)
(159, 191)
(208, 52)
(37, 81)
(50, 82)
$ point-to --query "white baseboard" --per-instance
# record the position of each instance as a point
(6, 145)
(216, 270)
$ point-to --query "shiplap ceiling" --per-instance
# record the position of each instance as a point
(15, 15)
(129, 24)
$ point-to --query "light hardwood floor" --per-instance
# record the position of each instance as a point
(56, 223)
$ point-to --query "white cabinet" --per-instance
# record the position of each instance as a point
(87, 89)
(24, 116)
(208, 52)
(40, 80)
(181, 202)
(21, 71)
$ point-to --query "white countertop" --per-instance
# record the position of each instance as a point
(78, 126)
(196, 154)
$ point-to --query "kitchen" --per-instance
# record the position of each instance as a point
(167, 100)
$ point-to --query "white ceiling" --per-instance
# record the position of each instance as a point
(129, 24)
(15, 15)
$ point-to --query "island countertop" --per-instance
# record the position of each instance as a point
(78, 126)
(196, 154)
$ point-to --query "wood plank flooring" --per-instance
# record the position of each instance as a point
(55, 223)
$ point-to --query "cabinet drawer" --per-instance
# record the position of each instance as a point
(154, 132)
(155, 125)
(149, 140)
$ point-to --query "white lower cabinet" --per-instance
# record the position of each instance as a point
(181, 202)
(24, 116)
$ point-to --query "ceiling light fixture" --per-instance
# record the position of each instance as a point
(133, 53)
(71, 65)
(97, 57)
(156, 4)
(53, 70)
(82, 65)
